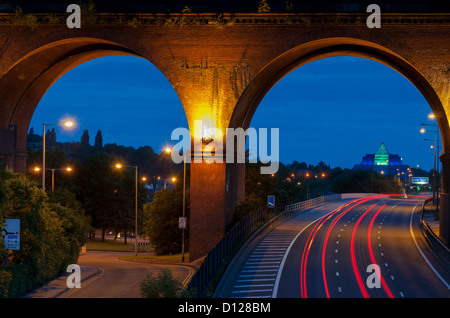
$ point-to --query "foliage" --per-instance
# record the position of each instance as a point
(89, 14)
(161, 224)
(108, 194)
(164, 286)
(288, 6)
(263, 6)
(23, 18)
(363, 181)
(50, 238)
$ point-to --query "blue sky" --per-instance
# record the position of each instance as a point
(335, 109)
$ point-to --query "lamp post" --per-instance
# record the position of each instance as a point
(67, 124)
(435, 163)
(169, 150)
(119, 166)
(68, 169)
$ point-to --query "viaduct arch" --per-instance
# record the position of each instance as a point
(221, 65)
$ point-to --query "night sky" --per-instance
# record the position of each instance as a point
(335, 109)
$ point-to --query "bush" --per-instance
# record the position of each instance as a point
(164, 286)
(51, 235)
(161, 224)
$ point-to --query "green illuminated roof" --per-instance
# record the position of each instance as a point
(381, 156)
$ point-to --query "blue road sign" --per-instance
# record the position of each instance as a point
(419, 180)
(270, 201)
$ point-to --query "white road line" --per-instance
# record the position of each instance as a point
(420, 250)
(251, 291)
(254, 280)
(258, 285)
(259, 270)
(258, 275)
(280, 270)
(263, 262)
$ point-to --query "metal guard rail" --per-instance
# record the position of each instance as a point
(312, 202)
(222, 253)
(436, 246)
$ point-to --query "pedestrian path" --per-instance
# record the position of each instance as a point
(256, 279)
(256, 269)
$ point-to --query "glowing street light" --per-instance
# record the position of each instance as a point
(67, 124)
(169, 150)
(68, 169)
(120, 166)
(435, 161)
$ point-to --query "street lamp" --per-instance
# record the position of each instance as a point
(68, 169)
(169, 150)
(435, 163)
(67, 124)
(120, 166)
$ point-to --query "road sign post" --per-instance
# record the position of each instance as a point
(271, 201)
(419, 180)
(11, 236)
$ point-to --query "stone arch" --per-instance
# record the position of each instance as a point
(315, 50)
(26, 82)
(275, 70)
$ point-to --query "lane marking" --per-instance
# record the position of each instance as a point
(372, 257)
(352, 251)
(420, 250)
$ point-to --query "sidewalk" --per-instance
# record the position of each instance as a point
(58, 286)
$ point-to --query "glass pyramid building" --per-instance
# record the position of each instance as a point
(382, 162)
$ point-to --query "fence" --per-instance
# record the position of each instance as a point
(218, 258)
(312, 202)
(224, 250)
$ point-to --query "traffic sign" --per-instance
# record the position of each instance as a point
(270, 201)
(182, 222)
(419, 180)
(11, 232)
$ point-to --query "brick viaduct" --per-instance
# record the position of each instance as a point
(221, 65)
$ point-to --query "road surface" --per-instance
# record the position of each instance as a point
(357, 248)
(104, 275)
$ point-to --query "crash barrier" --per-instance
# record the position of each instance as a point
(435, 245)
(223, 252)
(312, 202)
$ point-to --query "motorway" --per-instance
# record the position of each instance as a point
(354, 248)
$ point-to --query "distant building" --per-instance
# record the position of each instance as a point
(383, 162)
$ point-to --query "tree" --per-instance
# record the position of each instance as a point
(108, 194)
(161, 224)
(366, 181)
(85, 138)
(98, 140)
(51, 234)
